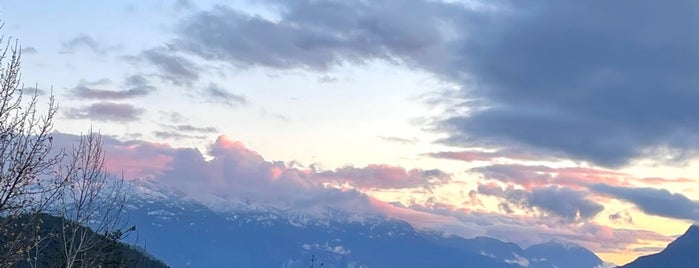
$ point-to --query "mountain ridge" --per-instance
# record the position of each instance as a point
(252, 235)
(679, 253)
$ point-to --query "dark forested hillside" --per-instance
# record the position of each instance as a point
(107, 251)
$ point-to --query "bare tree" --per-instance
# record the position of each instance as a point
(92, 198)
(37, 181)
(26, 159)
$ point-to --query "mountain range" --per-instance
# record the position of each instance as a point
(186, 233)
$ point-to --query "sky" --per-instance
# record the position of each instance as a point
(522, 120)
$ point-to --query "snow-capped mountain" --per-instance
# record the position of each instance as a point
(186, 233)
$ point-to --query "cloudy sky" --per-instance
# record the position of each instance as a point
(523, 120)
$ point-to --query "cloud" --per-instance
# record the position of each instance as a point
(29, 50)
(172, 117)
(597, 80)
(652, 201)
(85, 41)
(106, 111)
(621, 216)
(216, 94)
(279, 117)
(399, 140)
(137, 81)
(569, 204)
(85, 92)
(313, 35)
(190, 128)
(98, 82)
(30, 91)
(601, 81)
(184, 131)
(530, 176)
(230, 172)
(185, 5)
(172, 67)
(134, 86)
(385, 177)
(479, 155)
(526, 230)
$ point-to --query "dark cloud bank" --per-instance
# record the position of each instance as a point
(602, 81)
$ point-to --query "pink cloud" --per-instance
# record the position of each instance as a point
(235, 172)
(530, 176)
(138, 160)
(478, 155)
(380, 176)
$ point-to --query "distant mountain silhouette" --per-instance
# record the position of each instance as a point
(683, 252)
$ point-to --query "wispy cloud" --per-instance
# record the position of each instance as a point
(172, 67)
(106, 111)
(569, 204)
(134, 86)
(405, 141)
(217, 94)
(85, 92)
(385, 177)
(29, 50)
(86, 41)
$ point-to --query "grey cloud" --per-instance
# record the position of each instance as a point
(621, 216)
(105, 94)
(173, 117)
(603, 81)
(106, 111)
(29, 50)
(184, 5)
(652, 201)
(190, 128)
(136, 81)
(33, 90)
(569, 204)
(183, 131)
(315, 34)
(175, 135)
(84, 40)
(385, 177)
(216, 94)
(479, 155)
(98, 82)
(173, 68)
(136, 86)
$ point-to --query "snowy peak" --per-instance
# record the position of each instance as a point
(242, 233)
